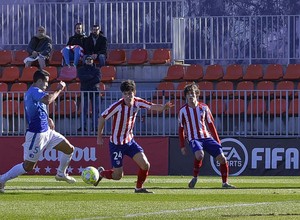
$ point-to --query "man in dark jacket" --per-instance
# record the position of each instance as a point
(39, 48)
(89, 77)
(74, 49)
(96, 45)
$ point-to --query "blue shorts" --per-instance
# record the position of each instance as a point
(117, 152)
(207, 144)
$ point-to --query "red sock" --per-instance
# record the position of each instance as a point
(142, 175)
(224, 172)
(107, 174)
(197, 165)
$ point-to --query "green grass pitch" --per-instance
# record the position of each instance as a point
(41, 197)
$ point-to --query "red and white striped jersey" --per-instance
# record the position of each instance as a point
(124, 119)
(194, 120)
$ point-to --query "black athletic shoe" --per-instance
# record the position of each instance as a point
(142, 190)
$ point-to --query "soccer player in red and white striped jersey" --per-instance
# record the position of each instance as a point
(123, 114)
(197, 124)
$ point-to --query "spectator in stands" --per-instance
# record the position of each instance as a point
(40, 134)
(39, 48)
(121, 142)
(89, 77)
(96, 45)
(194, 117)
(75, 46)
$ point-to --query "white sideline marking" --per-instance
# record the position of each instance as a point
(185, 210)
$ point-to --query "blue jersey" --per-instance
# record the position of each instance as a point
(35, 110)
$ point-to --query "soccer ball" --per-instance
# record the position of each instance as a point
(90, 175)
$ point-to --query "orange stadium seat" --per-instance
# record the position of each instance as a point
(53, 86)
(166, 89)
(175, 72)
(233, 72)
(254, 72)
(256, 107)
(206, 88)
(161, 56)
(284, 86)
(102, 88)
(67, 108)
(53, 72)
(217, 106)
(194, 72)
(235, 107)
(17, 90)
(3, 87)
(5, 57)
(244, 88)
(10, 74)
(74, 89)
(273, 72)
(180, 88)
(116, 57)
(294, 107)
(27, 74)
(19, 57)
(138, 56)
(278, 107)
(10, 108)
(56, 58)
(265, 88)
(67, 73)
(292, 72)
(213, 73)
(224, 89)
(108, 73)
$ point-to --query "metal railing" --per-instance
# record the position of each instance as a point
(159, 24)
(237, 39)
(237, 113)
(125, 24)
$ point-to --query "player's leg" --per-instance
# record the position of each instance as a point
(136, 152)
(33, 146)
(197, 148)
(60, 143)
(142, 161)
(116, 157)
(215, 150)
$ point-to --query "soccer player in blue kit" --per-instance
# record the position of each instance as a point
(40, 134)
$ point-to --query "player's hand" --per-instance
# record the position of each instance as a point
(100, 140)
(51, 124)
(183, 151)
(168, 105)
(61, 85)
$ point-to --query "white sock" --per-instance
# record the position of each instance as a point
(14, 172)
(64, 163)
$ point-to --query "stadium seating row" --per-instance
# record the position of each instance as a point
(228, 88)
(115, 57)
(11, 74)
(255, 107)
(234, 72)
(17, 89)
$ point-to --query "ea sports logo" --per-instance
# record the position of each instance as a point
(236, 154)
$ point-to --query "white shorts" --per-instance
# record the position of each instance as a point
(36, 143)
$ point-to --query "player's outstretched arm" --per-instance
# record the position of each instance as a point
(159, 107)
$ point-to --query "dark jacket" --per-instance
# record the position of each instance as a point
(89, 77)
(43, 45)
(77, 39)
(99, 48)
